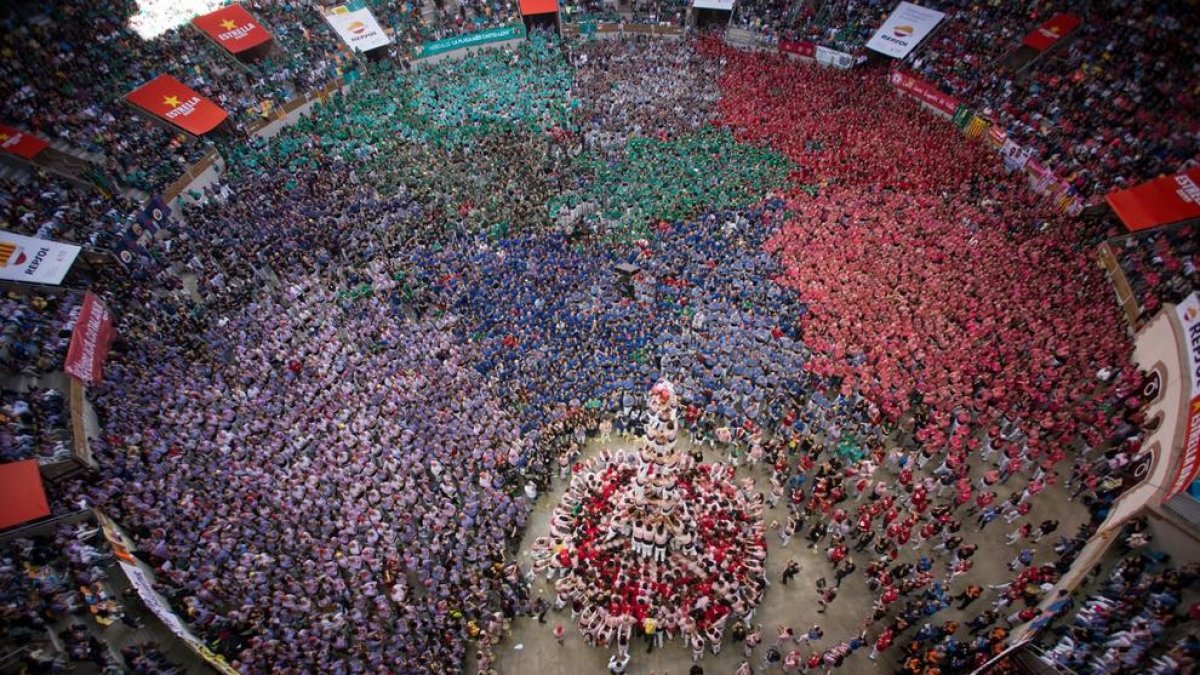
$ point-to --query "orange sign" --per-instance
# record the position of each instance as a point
(175, 102)
(233, 28)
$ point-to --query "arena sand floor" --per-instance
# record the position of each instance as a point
(530, 649)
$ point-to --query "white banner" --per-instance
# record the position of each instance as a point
(725, 5)
(357, 28)
(904, 29)
(833, 58)
(1015, 157)
(157, 604)
(36, 261)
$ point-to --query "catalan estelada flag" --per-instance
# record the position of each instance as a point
(175, 102)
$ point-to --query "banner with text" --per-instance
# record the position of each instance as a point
(1015, 156)
(143, 583)
(904, 30)
(833, 58)
(157, 604)
(1162, 201)
(178, 104)
(35, 261)
(925, 93)
(1188, 312)
(90, 340)
(233, 28)
(134, 239)
(483, 37)
(806, 49)
(357, 28)
(1048, 34)
(21, 144)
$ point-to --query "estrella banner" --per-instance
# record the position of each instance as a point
(175, 102)
(21, 144)
(233, 28)
(499, 34)
(1162, 201)
(1048, 34)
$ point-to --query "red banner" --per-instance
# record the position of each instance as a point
(538, 7)
(805, 49)
(233, 28)
(1188, 312)
(1048, 34)
(22, 495)
(1162, 201)
(20, 143)
(178, 104)
(924, 92)
(89, 341)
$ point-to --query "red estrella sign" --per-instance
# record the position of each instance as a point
(233, 28)
(179, 104)
(1048, 34)
(19, 143)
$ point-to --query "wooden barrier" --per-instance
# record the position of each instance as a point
(193, 172)
(1125, 296)
(82, 447)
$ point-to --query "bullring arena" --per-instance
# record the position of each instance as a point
(717, 336)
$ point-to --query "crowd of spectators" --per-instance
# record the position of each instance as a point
(36, 330)
(146, 658)
(91, 57)
(43, 207)
(453, 17)
(1133, 623)
(1160, 265)
(845, 25)
(393, 332)
(56, 584)
(34, 425)
(1112, 106)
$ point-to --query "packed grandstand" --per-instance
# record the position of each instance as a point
(655, 337)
